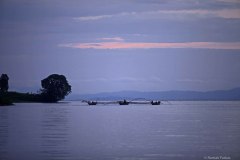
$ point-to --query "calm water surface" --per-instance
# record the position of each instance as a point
(74, 131)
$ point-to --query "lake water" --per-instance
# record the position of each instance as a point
(75, 131)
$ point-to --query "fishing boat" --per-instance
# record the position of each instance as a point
(92, 103)
(124, 102)
(155, 103)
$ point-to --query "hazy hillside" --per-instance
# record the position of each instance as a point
(233, 94)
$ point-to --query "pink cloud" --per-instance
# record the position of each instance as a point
(112, 39)
(143, 45)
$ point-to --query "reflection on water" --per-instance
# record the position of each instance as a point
(75, 131)
(3, 132)
(55, 133)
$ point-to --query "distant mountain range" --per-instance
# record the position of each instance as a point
(233, 94)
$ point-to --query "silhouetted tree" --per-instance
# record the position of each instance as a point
(4, 83)
(55, 88)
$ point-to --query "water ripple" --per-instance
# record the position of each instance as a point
(55, 134)
(4, 132)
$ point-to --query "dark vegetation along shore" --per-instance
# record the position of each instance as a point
(54, 88)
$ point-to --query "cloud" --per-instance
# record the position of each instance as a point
(89, 18)
(111, 39)
(192, 81)
(122, 79)
(233, 13)
(223, 13)
(229, 1)
(100, 79)
(98, 17)
(145, 45)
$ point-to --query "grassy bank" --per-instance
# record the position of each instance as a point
(9, 98)
(5, 101)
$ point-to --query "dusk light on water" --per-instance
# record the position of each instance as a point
(119, 79)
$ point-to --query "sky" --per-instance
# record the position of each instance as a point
(116, 45)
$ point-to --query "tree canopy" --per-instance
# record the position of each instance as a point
(55, 88)
(4, 83)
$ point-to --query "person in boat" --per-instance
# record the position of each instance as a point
(155, 103)
(124, 102)
(92, 102)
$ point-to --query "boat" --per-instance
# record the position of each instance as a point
(124, 102)
(92, 103)
(155, 102)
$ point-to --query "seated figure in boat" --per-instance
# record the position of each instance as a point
(124, 102)
(92, 102)
(155, 103)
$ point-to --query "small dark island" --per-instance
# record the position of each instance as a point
(54, 88)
